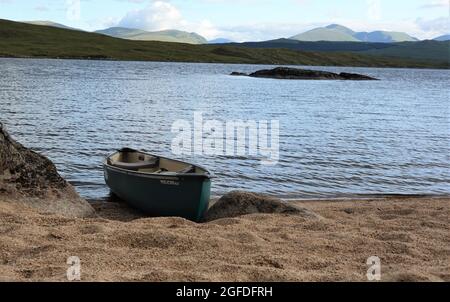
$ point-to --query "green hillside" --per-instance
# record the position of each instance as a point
(427, 50)
(32, 41)
(163, 36)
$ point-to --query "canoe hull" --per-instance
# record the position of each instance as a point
(180, 196)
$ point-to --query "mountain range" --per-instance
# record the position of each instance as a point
(330, 33)
(339, 33)
(163, 35)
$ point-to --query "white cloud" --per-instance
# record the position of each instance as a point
(161, 15)
(41, 8)
(73, 10)
(158, 15)
(434, 27)
(205, 29)
(373, 9)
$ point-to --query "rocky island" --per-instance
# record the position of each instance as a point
(304, 74)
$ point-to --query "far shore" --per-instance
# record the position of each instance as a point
(21, 40)
(408, 234)
(419, 67)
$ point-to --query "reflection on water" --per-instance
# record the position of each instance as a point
(336, 138)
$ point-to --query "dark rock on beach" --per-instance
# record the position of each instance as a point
(31, 179)
(237, 203)
(303, 74)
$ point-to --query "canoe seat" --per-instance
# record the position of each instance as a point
(188, 169)
(149, 164)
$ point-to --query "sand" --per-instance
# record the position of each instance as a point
(411, 236)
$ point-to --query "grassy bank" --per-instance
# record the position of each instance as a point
(32, 41)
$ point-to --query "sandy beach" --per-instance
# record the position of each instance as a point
(409, 235)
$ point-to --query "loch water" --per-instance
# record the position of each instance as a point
(336, 138)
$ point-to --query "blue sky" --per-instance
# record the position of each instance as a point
(239, 19)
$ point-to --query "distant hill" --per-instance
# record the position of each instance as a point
(163, 36)
(21, 40)
(384, 37)
(220, 41)
(341, 28)
(442, 38)
(50, 23)
(324, 34)
(339, 33)
(122, 32)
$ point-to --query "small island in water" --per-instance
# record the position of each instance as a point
(304, 74)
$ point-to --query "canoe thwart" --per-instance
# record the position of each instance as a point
(146, 164)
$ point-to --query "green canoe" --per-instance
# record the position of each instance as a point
(158, 186)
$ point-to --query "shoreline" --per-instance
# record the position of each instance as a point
(119, 208)
(363, 197)
(439, 67)
(337, 198)
(409, 235)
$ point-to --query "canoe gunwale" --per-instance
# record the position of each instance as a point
(207, 175)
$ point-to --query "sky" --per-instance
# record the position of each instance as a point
(239, 20)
